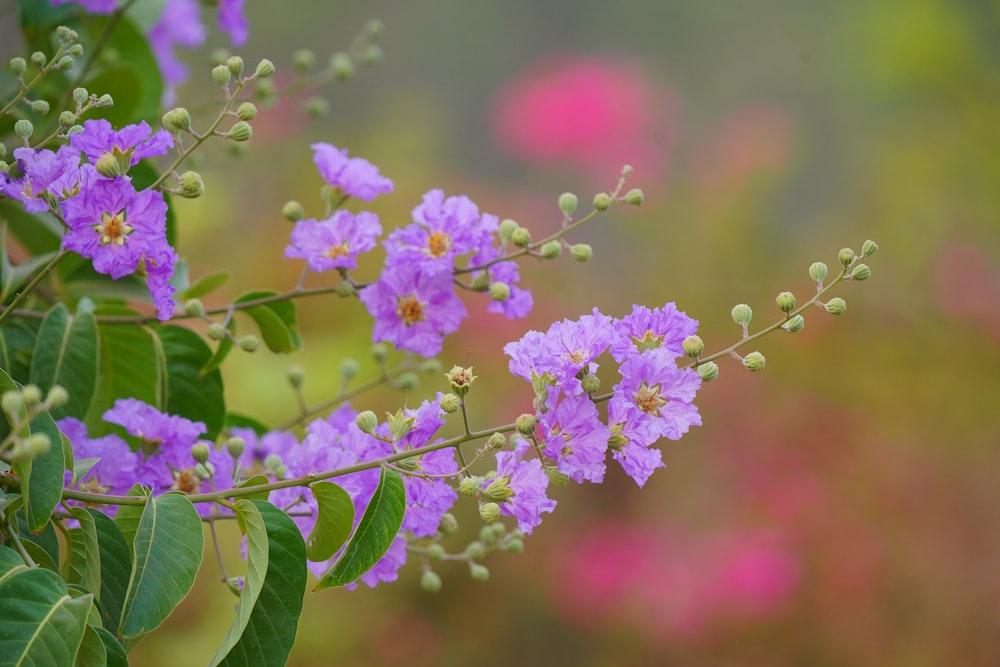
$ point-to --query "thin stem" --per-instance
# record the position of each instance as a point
(39, 277)
(20, 547)
(224, 576)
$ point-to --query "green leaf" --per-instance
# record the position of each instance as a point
(189, 393)
(38, 554)
(168, 548)
(267, 636)
(236, 420)
(116, 567)
(256, 480)
(276, 320)
(12, 276)
(17, 345)
(205, 285)
(131, 366)
(92, 652)
(128, 516)
(38, 233)
(129, 72)
(83, 565)
(42, 624)
(47, 540)
(375, 532)
(116, 656)
(66, 354)
(334, 521)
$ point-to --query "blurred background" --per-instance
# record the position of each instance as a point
(839, 508)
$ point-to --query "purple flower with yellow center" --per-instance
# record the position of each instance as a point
(56, 174)
(413, 309)
(631, 437)
(575, 438)
(99, 141)
(575, 344)
(355, 177)
(519, 487)
(336, 242)
(658, 394)
(113, 473)
(645, 330)
(443, 229)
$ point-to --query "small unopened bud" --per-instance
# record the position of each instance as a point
(12, 402)
(514, 546)
(708, 371)
(634, 197)
(430, 581)
(342, 66)
(108, 166)
(868, 248)
(65, 63)
(192, 186)
(57, 397)
(76, 50)
(555, 477)
(818, 271)
(240, 131)
(795, 324)
(450, 403)
(846, 256)
(40, 107)
(349, 369)
(81, 95)
(469, 486)
(67, 118)
(506, 229)
(345, 289)
(754, 362)
(490, 512)
(31, 394)
(590, 383)
(200, 452)
(525, 423)
(568, 203)
(435, 551)
(499, 291)
(24, 129)
(303, 59)
(221, 75)
(497, 441)
(372, 55)
(551, 249)
(430, 366)
(408, 381)
(176, 120)
(316, 107)
(836, 306)
(479, 572)
(235, 65)
(366, 421)
(265, 68)
(460, 378)
(475, 550)
(521, 237)
(38, 59)
(293, 211)
(602, 201)
(693, 346)
(742, 314)
(581, 252)
(248, 343)
(105, 100)
(18, 66)
(36, 444)
(246, 111)
(235, 446)
(861, 272)
(296, 376)
(785, 302)
(448, 524)
(216, 331)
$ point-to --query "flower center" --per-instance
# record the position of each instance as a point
(438, 243)
(410, 310)
(649, 341)
(648, 398)
(336, 251)
(186, 481)
(113, 228)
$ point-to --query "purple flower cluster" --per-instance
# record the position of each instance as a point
(652, 400)
(122, 230)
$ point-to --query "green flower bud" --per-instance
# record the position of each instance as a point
(693, 346)
(293, 211)
(264, 91)
(240, 131)
(627, 170)
(497, 441)
(480, 283)
(248, 343)
(316, 107)
(235, 65)
(486, 533)
(105, 100)
(742, 314)
(366, 421)
(57, 397)
(36, 444)
(499, 291)
(475, 550)
(435, 551)
(846, 256)
(272, 462)
(24, 129)
(568, 203)
(296, 376)
(108, 166)
(194, 308)
(379, 352)
(303, 59)
(448, 525)
(430, 366)
(408, 381)
(525, 424)
(12, 402)
(4, 167)
(507, 227)
(581, 252)
(200, 452)
(40, 107)
(590, 383)
(514, 546)
(18, 66)
(345, 289)
(634, 197)
(65, 63)
(218, 56)
(479, 572)
(818, 271)
(216, 331)
(67, 118)
(868, 248)
(400, 425)
(372, 55)
(31, 394)
(221, 75)
(521, 237)
(836, 306)
(602, 201)
(551, 249)
(246, 111)
(469, 486)
(176, 120)
(235, 446)
(430, 581)
(490, 512)
(460, 379)
(754, 362)
(450, 403)
(708, 371)
(192, 186)
(555, 477)
(861, 272)
(349, 369)
(76, 50)
(785, 302)
(795, 324)
(38, 59)
(80, 96)
(342, 66)
(265, 68)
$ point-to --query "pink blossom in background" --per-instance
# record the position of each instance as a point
(591, 113)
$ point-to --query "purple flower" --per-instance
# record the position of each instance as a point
(574, 436)
(356, 177)
(179, 23)
(658, 394)
(427, 499)
(115, 471)
(630, 442)
(233, 21)
(519, 487)
(519, 303)
(336, 242)
(413, 309)
(257, 448)
(645, 330)
(92, 6)
(129, 144)
(443, 229)
(45, 172)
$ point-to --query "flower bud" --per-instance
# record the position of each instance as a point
(486, 533)
(12, 402)
(408, 381)
(40, 107)
(192, 186)
(448, 524)
(514, 546)
(372, 54)
(506, 229)
(818, 271)
(57, 397)
(460, 379)
(795, 324)
(105, 100)
(836, 306)
(194, 308)
(303, 59)
(435, 551)
(35, 445)
(248, 343)
(108, 166)
(693, 346)
(246, 111)
(316, 107)
(24, 129)
(18, 66)
(216, 331)
(176, 120)
(742, 314)
(235, 65)
(475, 550)
(265, 68)
(521, 237)
(379, 352)
(785, 302)
(342, 66)
(293, 211)
(75, 50)
(490, 512)
(450, 403)
(602, 201)
(430, 366)
(480, 283)
(581, 252)
(469, 486)
(525, 424)
(349, 369)
(568, 203)
(65, 63)
(551, 249)
(296, 376)
(634, 197)
(80, 96)
(497, 441)
(708, 371)
(235, 446)
(754, 362)
(240, 131)
(430, 581)
(31, 394)
(67, 118)
(868, 248)
(846, 256)
(590, 383)
(221, 75)
(861, 272)
(200, 452)
(479, 572)
(38, 59)
(499, 291)
(366, 421)
(555, 477)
